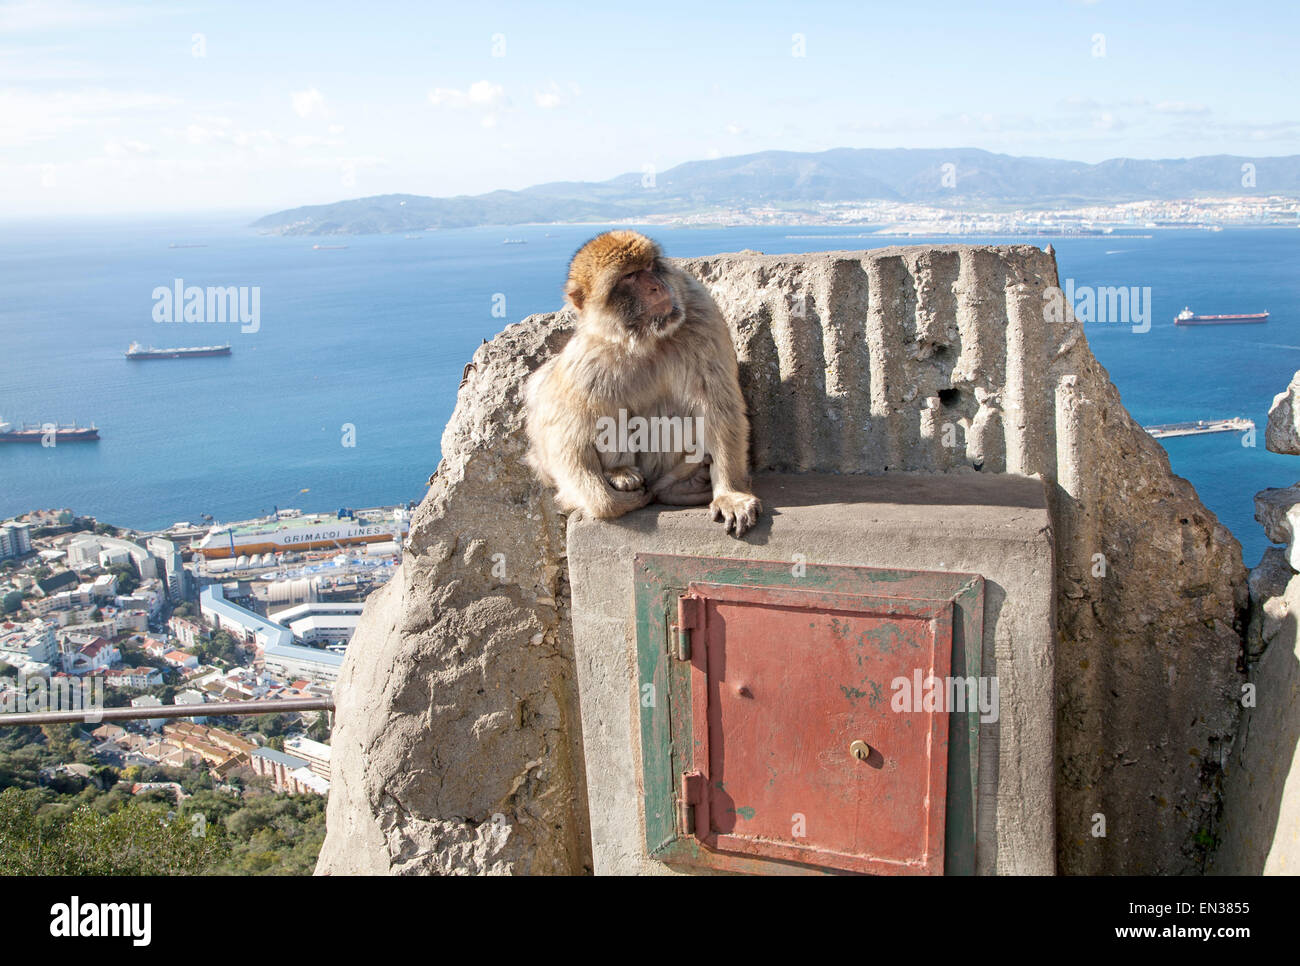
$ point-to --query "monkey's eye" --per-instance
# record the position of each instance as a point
(628, 277)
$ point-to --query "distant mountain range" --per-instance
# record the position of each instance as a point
(802, 180)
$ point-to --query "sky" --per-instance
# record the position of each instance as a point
(136, 107)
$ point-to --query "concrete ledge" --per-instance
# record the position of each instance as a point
(996, 526)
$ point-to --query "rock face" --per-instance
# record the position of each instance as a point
(1261, 808)
(1272, 511)
(1268, 603)
(457, 701)
(455, 749)
(1283, 433)
(1261, 802)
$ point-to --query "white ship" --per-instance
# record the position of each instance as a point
(298, 531)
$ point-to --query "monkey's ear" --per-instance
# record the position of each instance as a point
(573, 291)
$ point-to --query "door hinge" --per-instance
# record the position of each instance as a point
(692, 788)
(690, 611)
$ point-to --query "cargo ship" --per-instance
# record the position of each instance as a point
(1188, 317)
(297, 531)
(39, 432)
(137, 351)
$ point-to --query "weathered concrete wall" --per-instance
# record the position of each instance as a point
(992, 525)
(457, 699)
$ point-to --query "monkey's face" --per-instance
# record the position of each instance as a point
(643, 303)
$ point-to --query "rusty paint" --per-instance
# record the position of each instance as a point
(736, 740)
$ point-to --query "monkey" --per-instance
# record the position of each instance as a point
(650, 344)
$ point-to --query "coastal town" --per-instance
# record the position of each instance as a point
(94, 617)
(889, 217)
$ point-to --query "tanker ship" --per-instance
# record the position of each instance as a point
(39, 432)
(136, 351)
(1188, 317)
(298, 531)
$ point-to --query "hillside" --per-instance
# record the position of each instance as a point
(788, 178)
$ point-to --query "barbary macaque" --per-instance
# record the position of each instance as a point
(643, 404)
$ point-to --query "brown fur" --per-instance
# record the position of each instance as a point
(677, 363)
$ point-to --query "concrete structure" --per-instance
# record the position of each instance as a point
(112, 556)
(167, 558)
(15, 539)
(995, 526)
(139, 557)
(287, 773)
(280, 655)
(83, 551)
(104, 586)
(191, 696)
(289, 662)
(138, 678)
(187, 632)
(325, 628)
(149, 701)
(306, 781)
(81, 656)
(458, 693)
(33, 641)
(180, 659)
(316, 754)
(240, 622)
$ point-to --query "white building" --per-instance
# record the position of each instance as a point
(322, 622)
(149, 701)
(112, 556)
(138, 678)
(170, 569)
(83, 551)
(314, 753)
(190, 696)
(15, 539)
(82, 656)
(33, 641)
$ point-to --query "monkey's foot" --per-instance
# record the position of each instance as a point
(625, 478)
(736, 511)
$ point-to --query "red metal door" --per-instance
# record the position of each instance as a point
(800, 751)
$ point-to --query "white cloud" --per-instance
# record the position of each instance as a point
(29, 117)
(1181, 107)
(554, 95)
(481, 94)
(308, 103)
(35, 15)
(734, 129)
(127, 148)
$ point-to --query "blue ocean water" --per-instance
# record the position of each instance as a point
(376, 335)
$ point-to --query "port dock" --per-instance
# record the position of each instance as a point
(1236, 424)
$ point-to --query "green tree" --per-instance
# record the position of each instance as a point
(136, 839)
(127, 579)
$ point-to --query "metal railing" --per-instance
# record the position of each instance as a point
(215, 709)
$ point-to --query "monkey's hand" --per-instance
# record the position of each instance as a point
(626, 478)
(736, 511)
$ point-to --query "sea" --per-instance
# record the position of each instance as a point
(340, 395)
